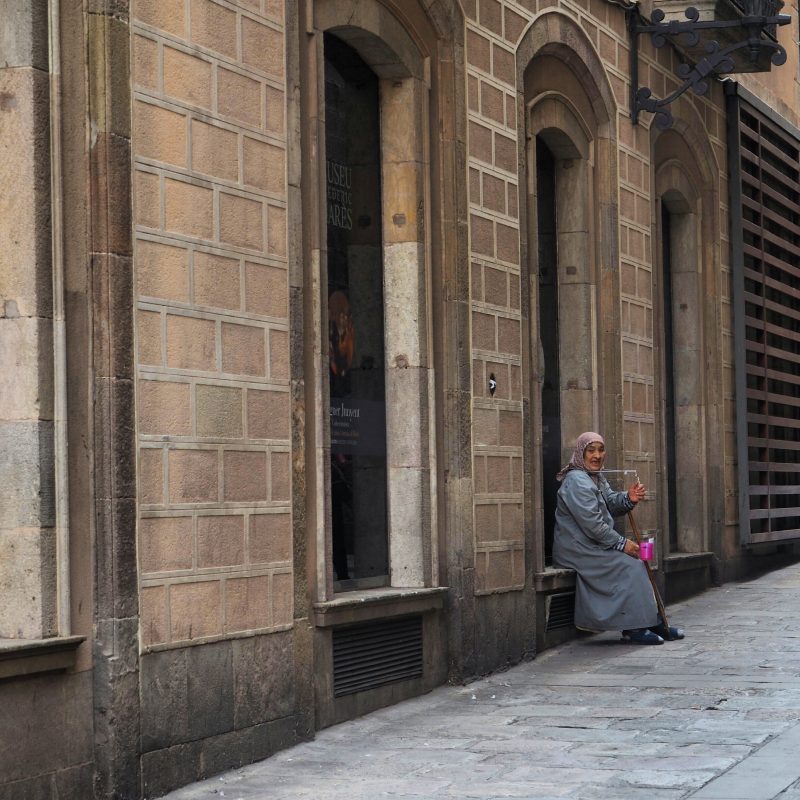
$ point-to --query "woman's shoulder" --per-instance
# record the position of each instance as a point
(578, 478)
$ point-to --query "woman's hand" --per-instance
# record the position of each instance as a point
(636, 492)
(631, 548)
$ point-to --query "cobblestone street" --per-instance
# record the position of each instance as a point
(712, 717)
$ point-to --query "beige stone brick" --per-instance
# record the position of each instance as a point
(508, 335)
(479, 378)
(514, 25)
(478, 51)
(511, 522)
(499, 573)
(162, 271)
(188, 209)
(498, 474)
(146, 72)
(608, 48)
(476, 281)
(214, 26)
(275, 107)
(218, 411)
(153, 615)
(496, 282)
(268, 415)
(151, 476)
(480, 142)
(274, 9)
(241, 221)
(159, 134)
(243, 349)
(515, 380)
(278, 355)
(503, 65)
(281, 478)
(514, 291)
(193, 476)
(507, 243)
(217, 281)
(473, 93)
(480, 571)
(164, 408)
(401, 192)
(482, 235)
(220, 540)
(483, 331)
(516, 474)
(165, 544)
(484, 426)
(148, 337)
(245, 476)
(195, 610)
(475, 186)
(505, 153)
(511, 111)
(490, 15)
(486, 526)
(276, 231)
(215, 151)
(147, 199)
(518, 566)
(480, 475)
(168, 15)
(247, 603)
(266, 290)
(270, 538)
(187, 78)
(191, 343)
(494, 193)
(282, 599)
(262, 47)
(264, 166)
(510, 429)
(492, 103)
(239, 97)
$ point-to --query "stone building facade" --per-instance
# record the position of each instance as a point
(303, 304)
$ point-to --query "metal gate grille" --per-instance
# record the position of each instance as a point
(560, 611)
(767, 294)
(373, 654)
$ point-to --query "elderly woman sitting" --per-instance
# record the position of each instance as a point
(612, 590)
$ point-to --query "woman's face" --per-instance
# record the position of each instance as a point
(594, 456)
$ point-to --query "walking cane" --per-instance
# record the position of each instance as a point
(659, 601)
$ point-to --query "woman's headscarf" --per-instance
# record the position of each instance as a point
(576, 462)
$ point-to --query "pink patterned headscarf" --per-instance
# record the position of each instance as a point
(576, 462)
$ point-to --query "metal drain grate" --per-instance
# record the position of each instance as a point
(560, 611)
(373, 654)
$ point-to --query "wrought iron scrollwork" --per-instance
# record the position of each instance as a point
(716, 61)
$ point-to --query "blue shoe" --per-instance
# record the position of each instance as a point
(642, 636)
(672, 633)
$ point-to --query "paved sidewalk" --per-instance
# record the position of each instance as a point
(713, 717)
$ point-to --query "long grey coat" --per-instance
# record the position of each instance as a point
(612, 590)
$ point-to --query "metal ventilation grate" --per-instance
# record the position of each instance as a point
(560, 611)
(372, 654)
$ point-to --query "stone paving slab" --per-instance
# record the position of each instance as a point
(712, 717)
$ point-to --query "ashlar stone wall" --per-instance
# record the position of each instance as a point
(212, 319)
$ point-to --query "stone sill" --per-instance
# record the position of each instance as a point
(554, 579)
(684, 562)
(29, 656)
(368, 604)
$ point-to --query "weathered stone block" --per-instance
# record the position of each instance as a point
(218, 411)
(191, 343)
(508, 336)
(268, 415)
(245, 475)
(239, 97)
(188, 209)
(280, 477)
(270, 538)
(187, 78)
(162, 271)
(217, 281)
(267, 290)
(262, 47)
(278, 354)
(507, 244)
(164, 408)
(486, 522)
(23, 37)
(147, 193)
(210, 689)
(220, 540)
(153, 615)
(276, 231)
(26, 474)
(215, 151)
(282, 598)
(26, 370)
(165, 543)
(264, 166)
(247, 603)
(151, 476)
(195, 610)
(159, 134)
(168, 15)
(193, 476)
(166, 769)
(275, 116)
(243, 349)
(214, 26)
(146, 71)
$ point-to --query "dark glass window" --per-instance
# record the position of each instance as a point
(358, 471)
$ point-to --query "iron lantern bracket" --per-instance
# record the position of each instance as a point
(717, 61)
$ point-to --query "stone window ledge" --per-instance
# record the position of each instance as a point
(367, 604)
(681, 562)
(29, 656)
(554, 579)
